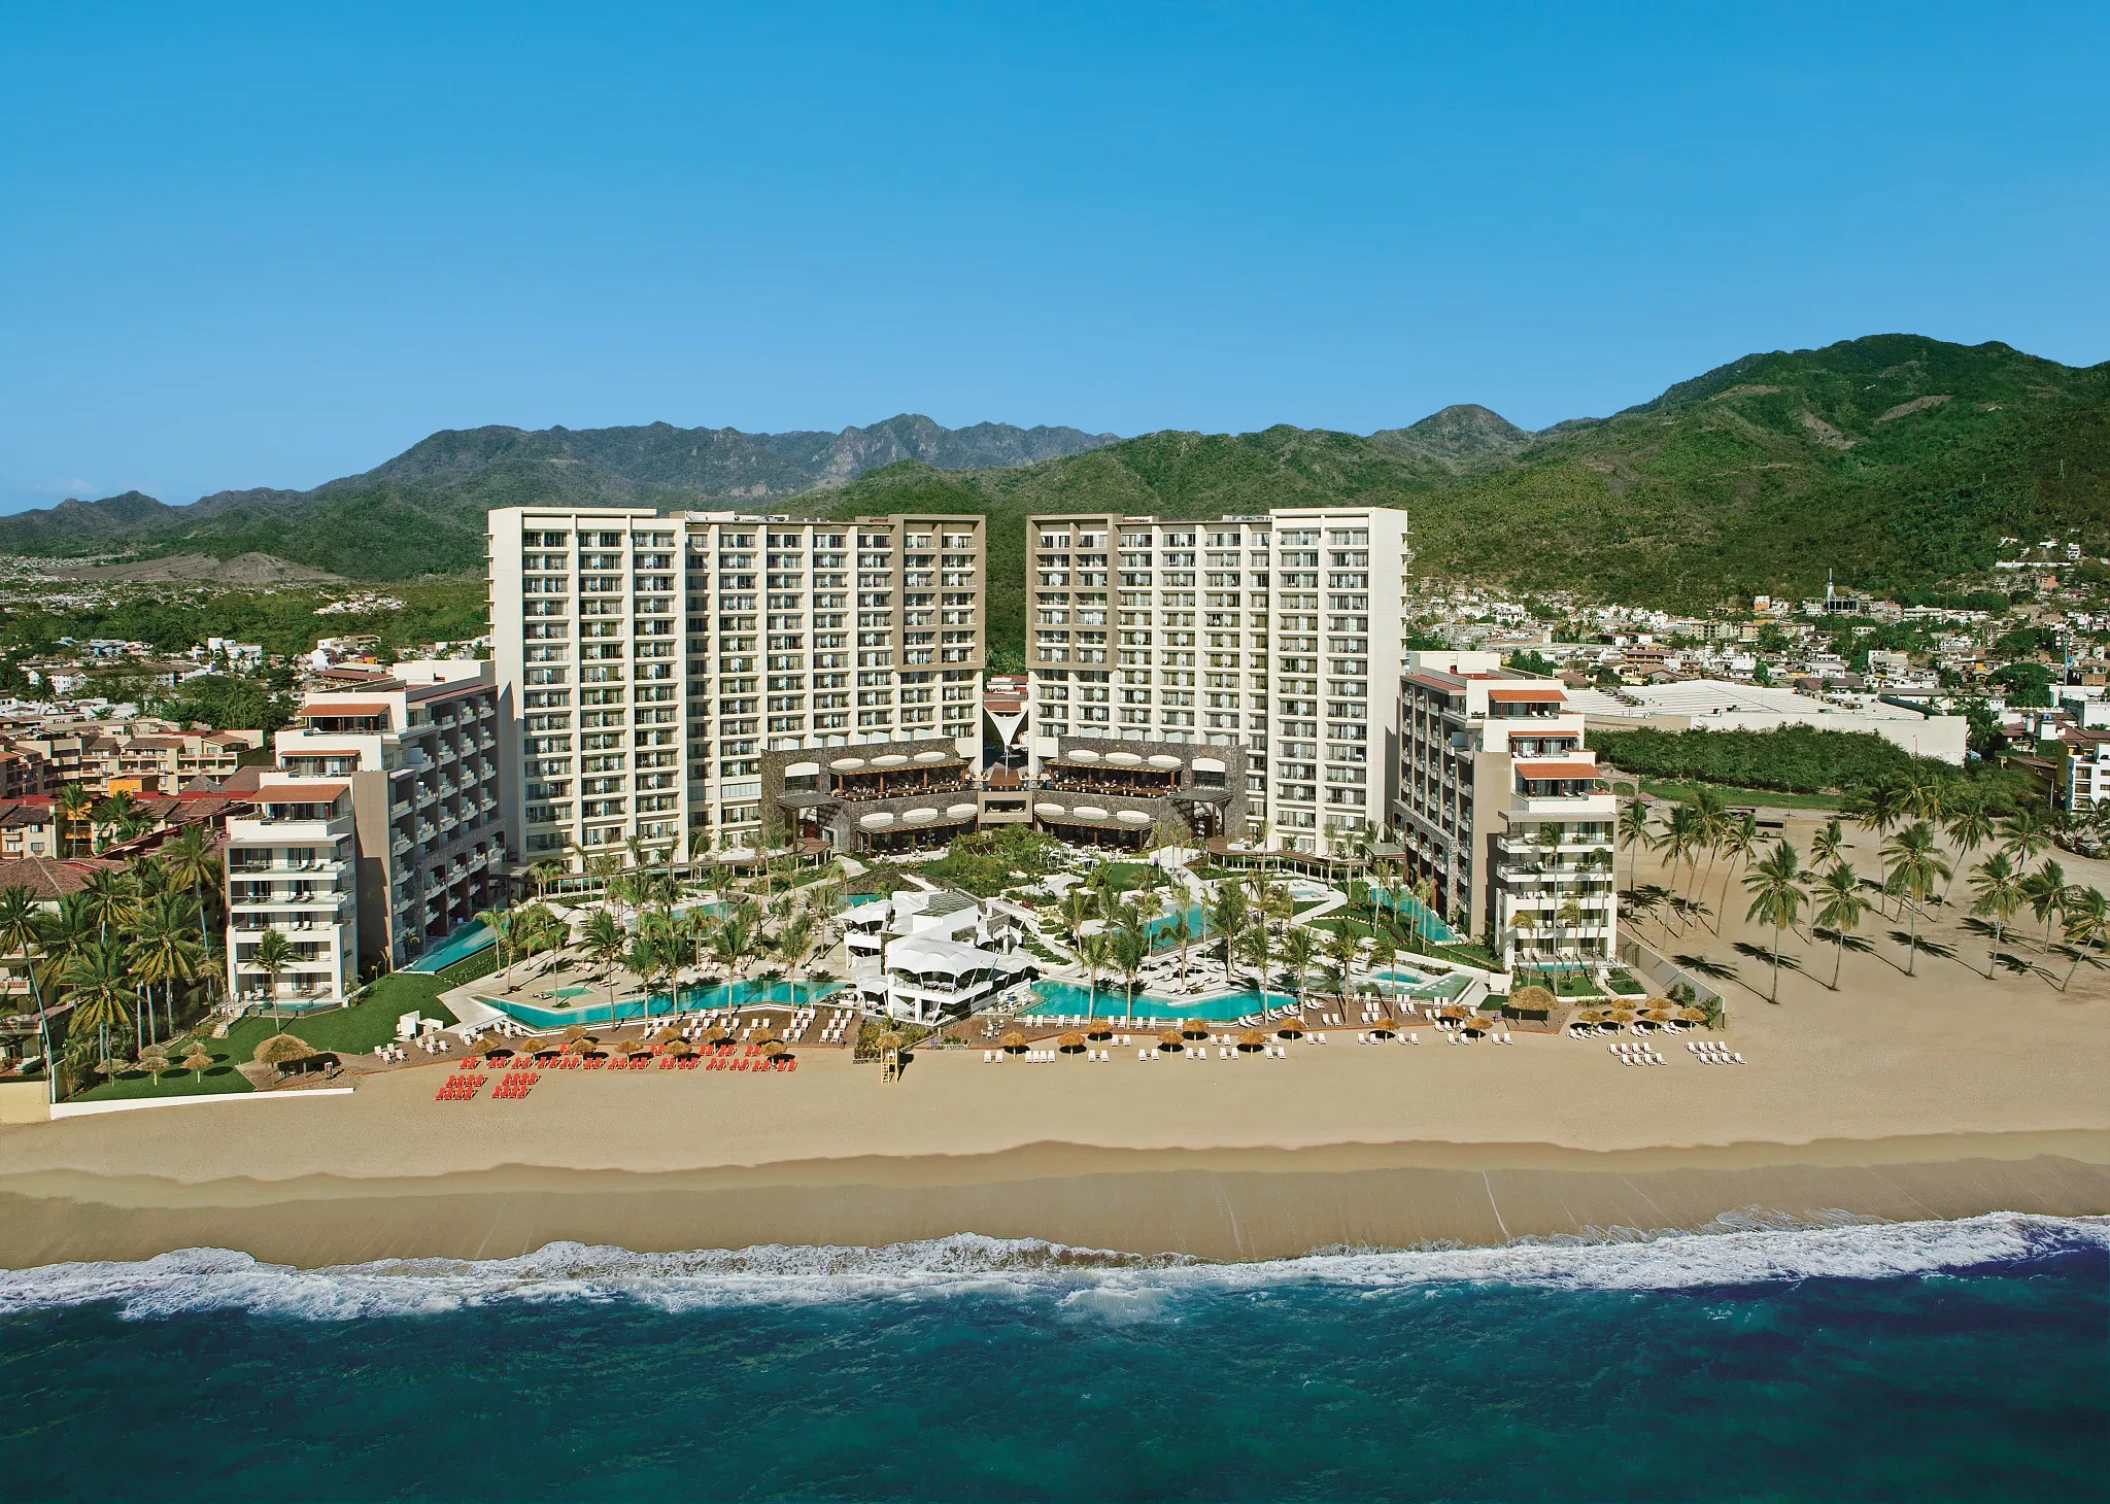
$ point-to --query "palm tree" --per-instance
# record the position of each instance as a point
(1096, 951)
(1079, 907)
(119, 809)
(1524, 922)
(1827, 847)
(64, 934)
(2087, 923)
(164, 950)
(1776, 899)
(1970, 825)
(1257, 946)
(1181, 931)
(1999, 889)
(1299, 948)
(1341, 951)
(192, 865)
(109, 895)
(2046, 891)
(22, 934)
(1739, 845)
(1877, 807)
(1131, 948)
(1713, 825)
(2025, 833)
(73, 805)
(1915, 867)
(1636, 833)
(795, 943)
(102, 989)
(645, 957)
(603, 939)
(1227, 916)
(500, 923)
(1681, 838)
(273, 954)
(1840, 906)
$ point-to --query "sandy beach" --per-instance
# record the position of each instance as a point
(1898, 1097)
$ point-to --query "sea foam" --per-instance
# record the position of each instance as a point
(1730, 1252)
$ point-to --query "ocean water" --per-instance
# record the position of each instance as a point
(1956, 1360)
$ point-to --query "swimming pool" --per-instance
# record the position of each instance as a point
(1068, 997)
(466, 941)
(1413, 914)
(688, 1000)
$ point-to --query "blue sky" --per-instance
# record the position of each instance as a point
(271, 246)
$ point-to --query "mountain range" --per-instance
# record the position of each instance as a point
(1895, 460)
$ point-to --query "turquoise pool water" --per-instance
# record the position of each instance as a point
(466, 941)
(1414, 914)
(689, 999)
(1160, 928)
(1068, 997)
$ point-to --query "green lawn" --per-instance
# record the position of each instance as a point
(357, 1029)
(1680, 790)
(1123, 877)
(221, 1079)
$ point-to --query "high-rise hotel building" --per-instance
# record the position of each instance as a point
(1279, 634)
(652, 662)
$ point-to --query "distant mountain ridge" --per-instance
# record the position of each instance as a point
(423, 510)
(1897, 459)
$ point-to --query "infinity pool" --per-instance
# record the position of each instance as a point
(1068, 997)
(688, 1000)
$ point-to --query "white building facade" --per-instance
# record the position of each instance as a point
(1278, 633)
(651, 661)
(289, 868)
(1502, 807)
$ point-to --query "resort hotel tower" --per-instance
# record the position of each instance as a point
(1264, 650)
(1501, 807)
(662, 669)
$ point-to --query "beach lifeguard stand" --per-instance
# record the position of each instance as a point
(890, 1057)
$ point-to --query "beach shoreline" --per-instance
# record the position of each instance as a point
(1216, 1204)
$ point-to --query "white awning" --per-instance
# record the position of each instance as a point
(1164, 760)
(1125, 759)
(891, 760)
(847, 764)
(803, 770)
(1133, 817)
(919, 816)
(1081, 754)
(1209, 765)
(937, 757)
(961, 811)
(1089, 812)
(878, 821)
(1050, 810)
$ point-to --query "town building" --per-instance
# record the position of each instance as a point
(651, 664)
(418, 752)
(1502, 808)
(1276, 634)
(290, 868)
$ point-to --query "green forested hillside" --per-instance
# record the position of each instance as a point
(1896, 460)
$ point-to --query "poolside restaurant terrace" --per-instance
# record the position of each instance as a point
(893, 775)
(1082, 770)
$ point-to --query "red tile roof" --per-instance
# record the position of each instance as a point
(1527, 692)
(1542, 770)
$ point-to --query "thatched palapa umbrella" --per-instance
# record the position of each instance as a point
(1252, 1039)
(280, 1048)
(1384, 1025)
(1590, 1016)
(1693, 1015)
(1070, 1041)
(1196, 1028)
(1290, 1028)
(1171, 1039)
(1012, 1040)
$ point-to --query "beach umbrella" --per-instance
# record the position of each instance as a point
(680, 1047)
(1252, 1039)
(1590, 1016)
(1070, 1041)
(769, 1042)
(1195, 1028)
(1290, 1028)
(777, 1050)
(1693, 1015)
(1100, 1030)
(1473, 1026)
(498, 1052)
(1171, 1039)
(716, 1033)
(1384, 1026)
(1621, 1015)
(1013, 1040)
(576, 1033)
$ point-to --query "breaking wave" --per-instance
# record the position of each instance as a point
(1732, 1251)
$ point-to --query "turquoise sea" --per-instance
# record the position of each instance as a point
(1956, 1360)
